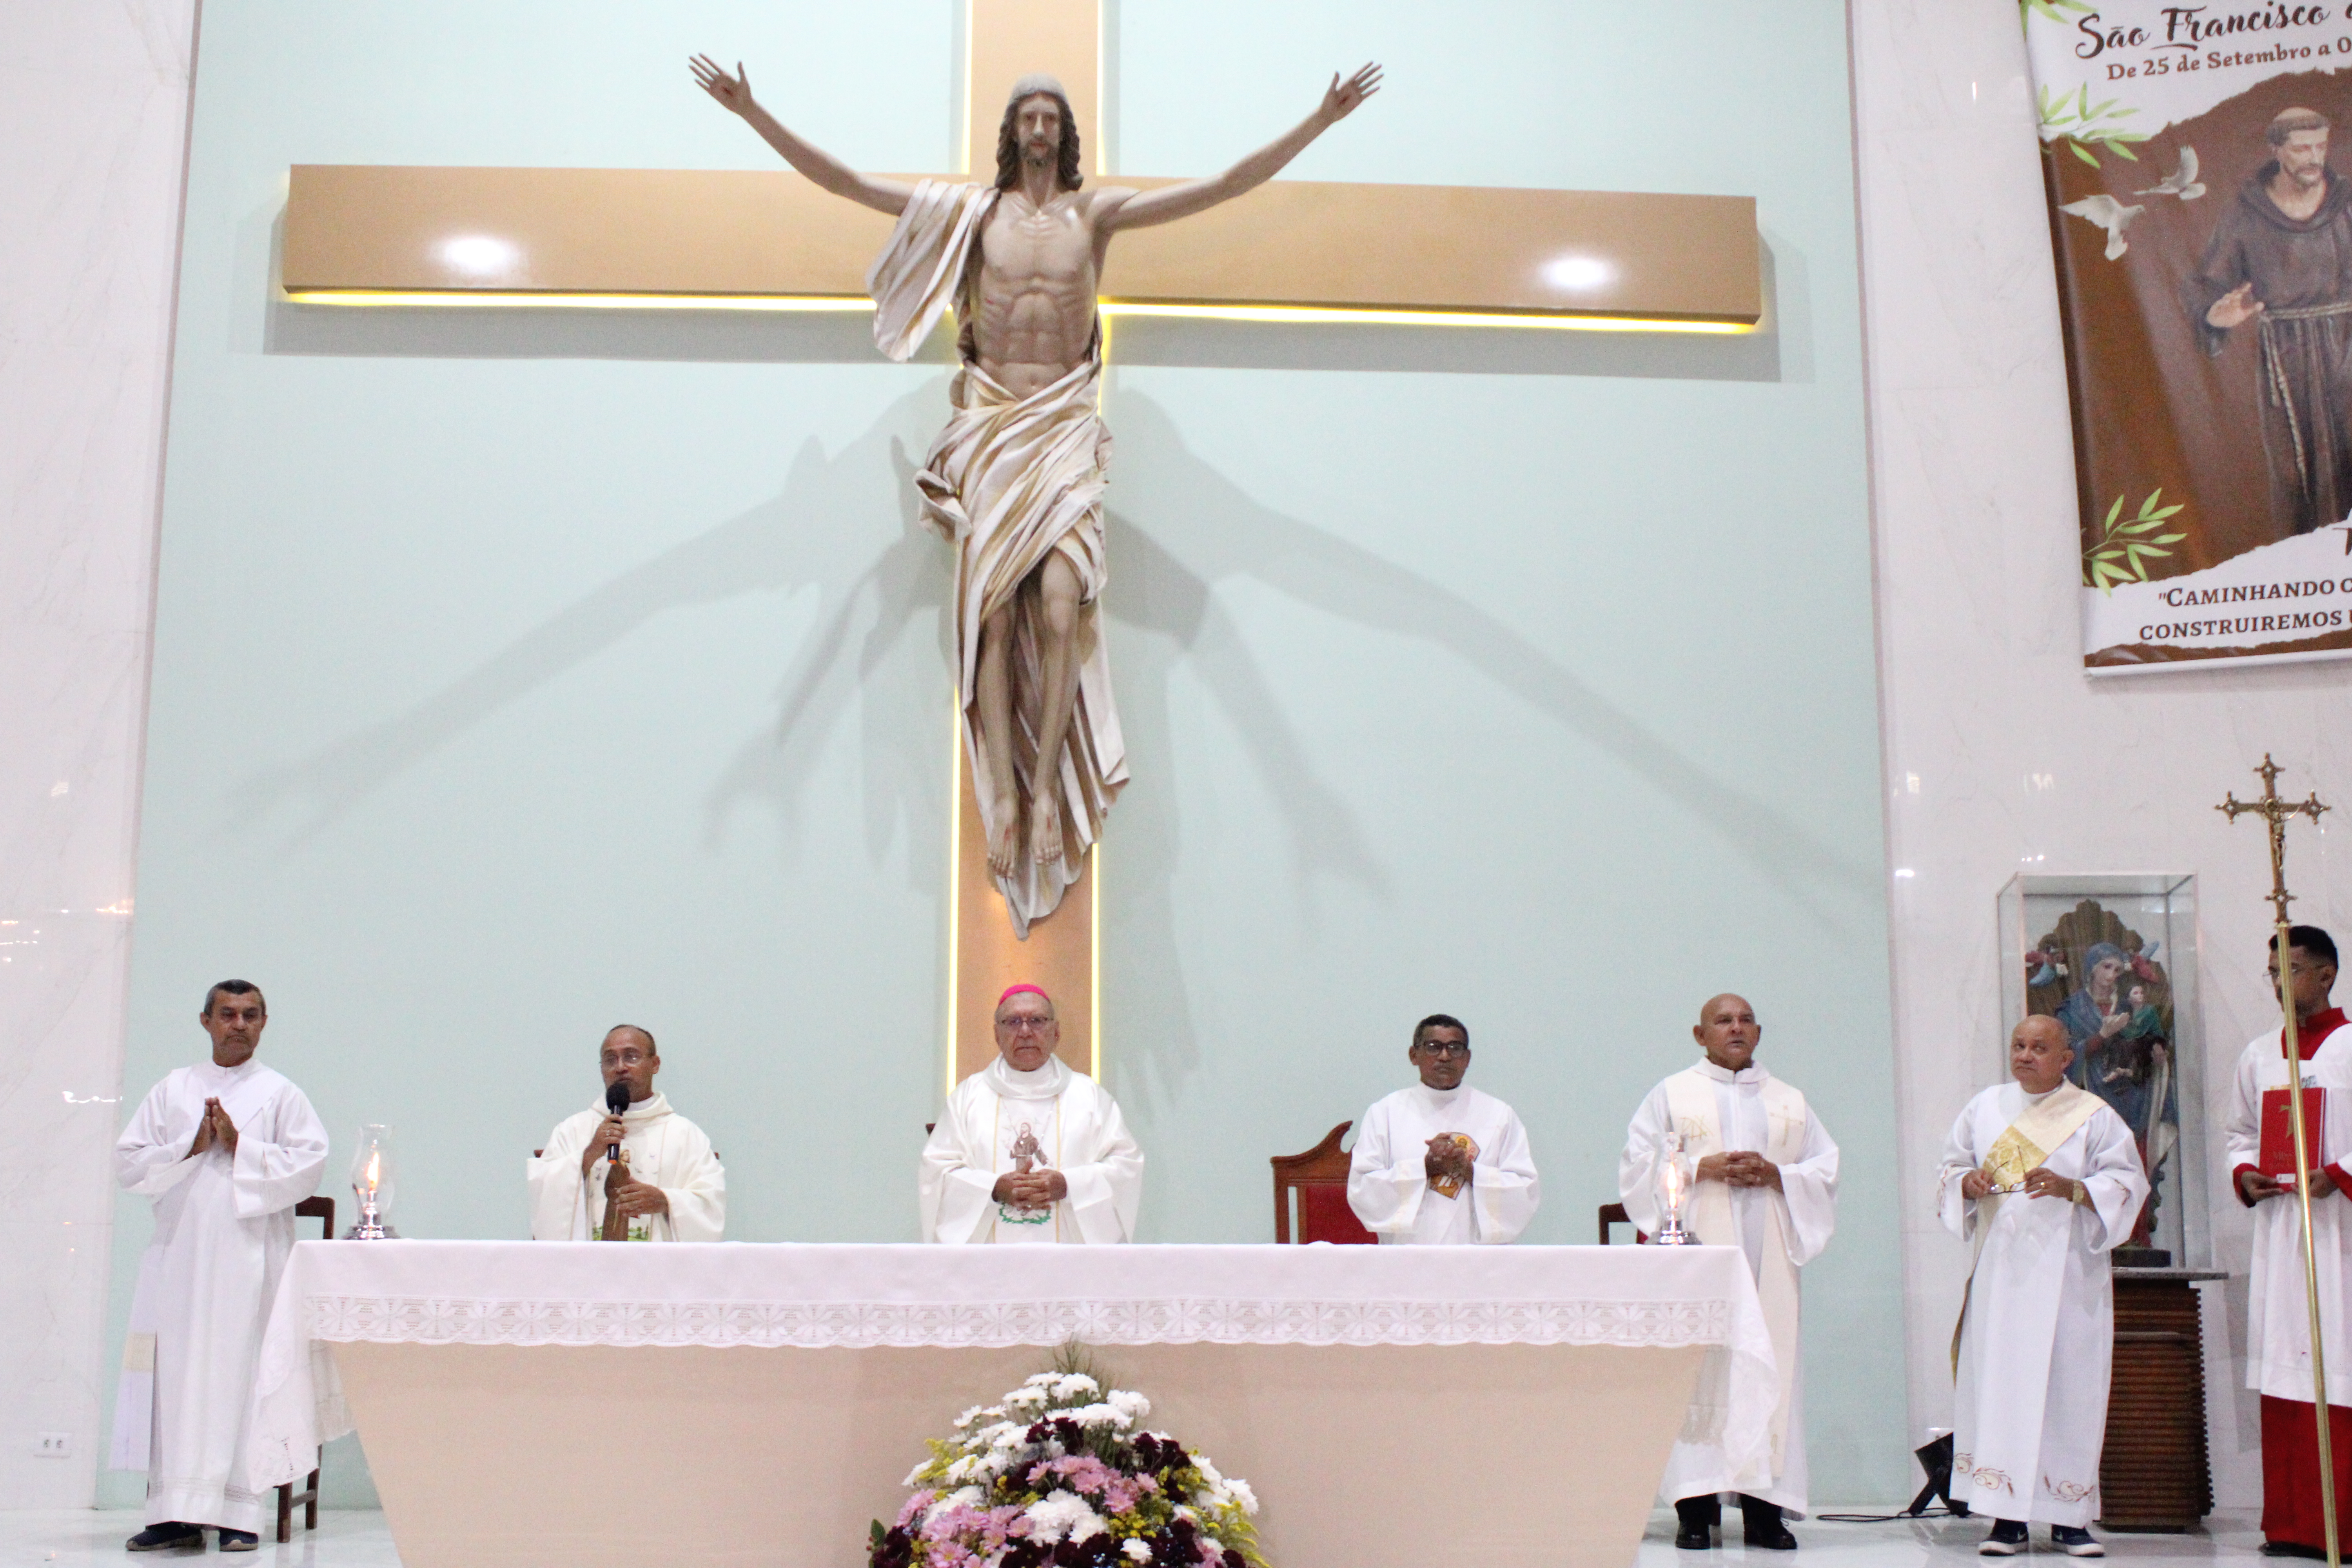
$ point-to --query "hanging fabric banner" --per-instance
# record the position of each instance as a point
(2204, 251)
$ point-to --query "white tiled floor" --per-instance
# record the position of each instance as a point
(360, 1539)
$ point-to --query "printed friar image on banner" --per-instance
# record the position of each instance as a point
(2204, 250)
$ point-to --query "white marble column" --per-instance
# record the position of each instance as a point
(93, 119)
(2002, 756)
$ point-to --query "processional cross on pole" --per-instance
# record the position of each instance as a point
(2275, 813)
(1290, 250)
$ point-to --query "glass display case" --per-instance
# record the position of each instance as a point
(2114, 958)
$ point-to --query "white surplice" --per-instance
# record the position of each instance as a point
(224, 1226)
(664, 1151)
(1716, 1110)
(1078, 1132)
(2037, 1330)
(2278, 1320)
(1388, 1174)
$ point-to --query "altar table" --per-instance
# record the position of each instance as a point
(557, 1403)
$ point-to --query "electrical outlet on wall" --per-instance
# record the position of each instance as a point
(53, 1444)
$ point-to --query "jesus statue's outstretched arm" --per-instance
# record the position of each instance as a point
(1117, 208)
(821, 168)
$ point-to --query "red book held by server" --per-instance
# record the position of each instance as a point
(2278, 1131)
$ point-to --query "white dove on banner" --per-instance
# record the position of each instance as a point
(2181, 182)
(2108, 213)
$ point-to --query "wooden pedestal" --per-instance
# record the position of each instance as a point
(2154, 1474)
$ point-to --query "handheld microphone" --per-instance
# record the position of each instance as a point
(616, 1101)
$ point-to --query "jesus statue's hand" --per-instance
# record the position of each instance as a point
(1341, 99)
(733, 92)
(2234, 308)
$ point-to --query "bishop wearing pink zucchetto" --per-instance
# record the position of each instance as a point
(1028, 1150)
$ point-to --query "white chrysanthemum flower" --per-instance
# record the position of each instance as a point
(1076, 1385)
(1062, 1515)
(1135, 1551)
(1039, 1379)
(1134, 1406)
(1241, 1492)
(1008, 1435)
(1026, 1399)
(1212, 1544)
(1208, 1471)
(963, 1469)
(1098, 1415)
(962, 1497)
(916, 1474)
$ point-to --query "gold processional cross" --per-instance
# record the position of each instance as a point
(1291, 250)
(2275, 813)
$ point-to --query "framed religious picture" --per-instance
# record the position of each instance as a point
(2112, 958)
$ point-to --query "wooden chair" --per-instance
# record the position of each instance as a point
(1614, 1213)
(1319, 1178)
(323, 1211)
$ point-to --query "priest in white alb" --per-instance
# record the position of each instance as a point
(2043, 1181)
(666, 1183)
(2278, 1321)
(1440, 1163)
(1767, 1175)
(225, 1148)
(1029, 1150)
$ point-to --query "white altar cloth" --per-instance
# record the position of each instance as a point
(475, 1323)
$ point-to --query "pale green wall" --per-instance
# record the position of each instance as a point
(514, 676)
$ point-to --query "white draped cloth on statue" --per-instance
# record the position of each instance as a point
(664, 1151)
(1010, 481)
(1074, 1127)
(1716, 1110)
(1388, 1174)
(2037, 1328)
(224, 1225)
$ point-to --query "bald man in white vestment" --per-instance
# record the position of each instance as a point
(1029, 1150)
(1767, 1184)
(225, 1148)
(669, 1184)
(2045, 1180)
(1440, 1163)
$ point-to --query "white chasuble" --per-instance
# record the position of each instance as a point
(2037, 1328)
(664, 1149)
(1010, 481)
(1065, 1122)
(1717, 1112)
(1388, 1174)
(2278, 1320)
(224, 1225)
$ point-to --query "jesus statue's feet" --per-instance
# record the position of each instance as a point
(1045, 830)
(1005, 845)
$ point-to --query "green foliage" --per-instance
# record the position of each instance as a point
(2056, 10)
(2093, 124)
(2124, 546)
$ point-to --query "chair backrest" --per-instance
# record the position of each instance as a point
(1317, 1181)
(320, 1209)
(1614, 1213)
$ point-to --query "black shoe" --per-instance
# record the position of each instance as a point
(1761, 1525)
(2007, 1540)
(2291, 1549)
(239, 1540)
(1695, 1519)
(170, 1535)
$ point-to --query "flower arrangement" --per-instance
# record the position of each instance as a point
(1060, 1473)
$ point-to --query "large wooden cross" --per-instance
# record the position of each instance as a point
(1457, 256)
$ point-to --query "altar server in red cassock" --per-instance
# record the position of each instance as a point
(2278, 1321)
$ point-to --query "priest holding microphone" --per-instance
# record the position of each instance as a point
(634, 1170)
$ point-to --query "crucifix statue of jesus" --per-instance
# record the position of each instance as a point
(1015, 480)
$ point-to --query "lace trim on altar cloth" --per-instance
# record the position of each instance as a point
(421, 1320)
